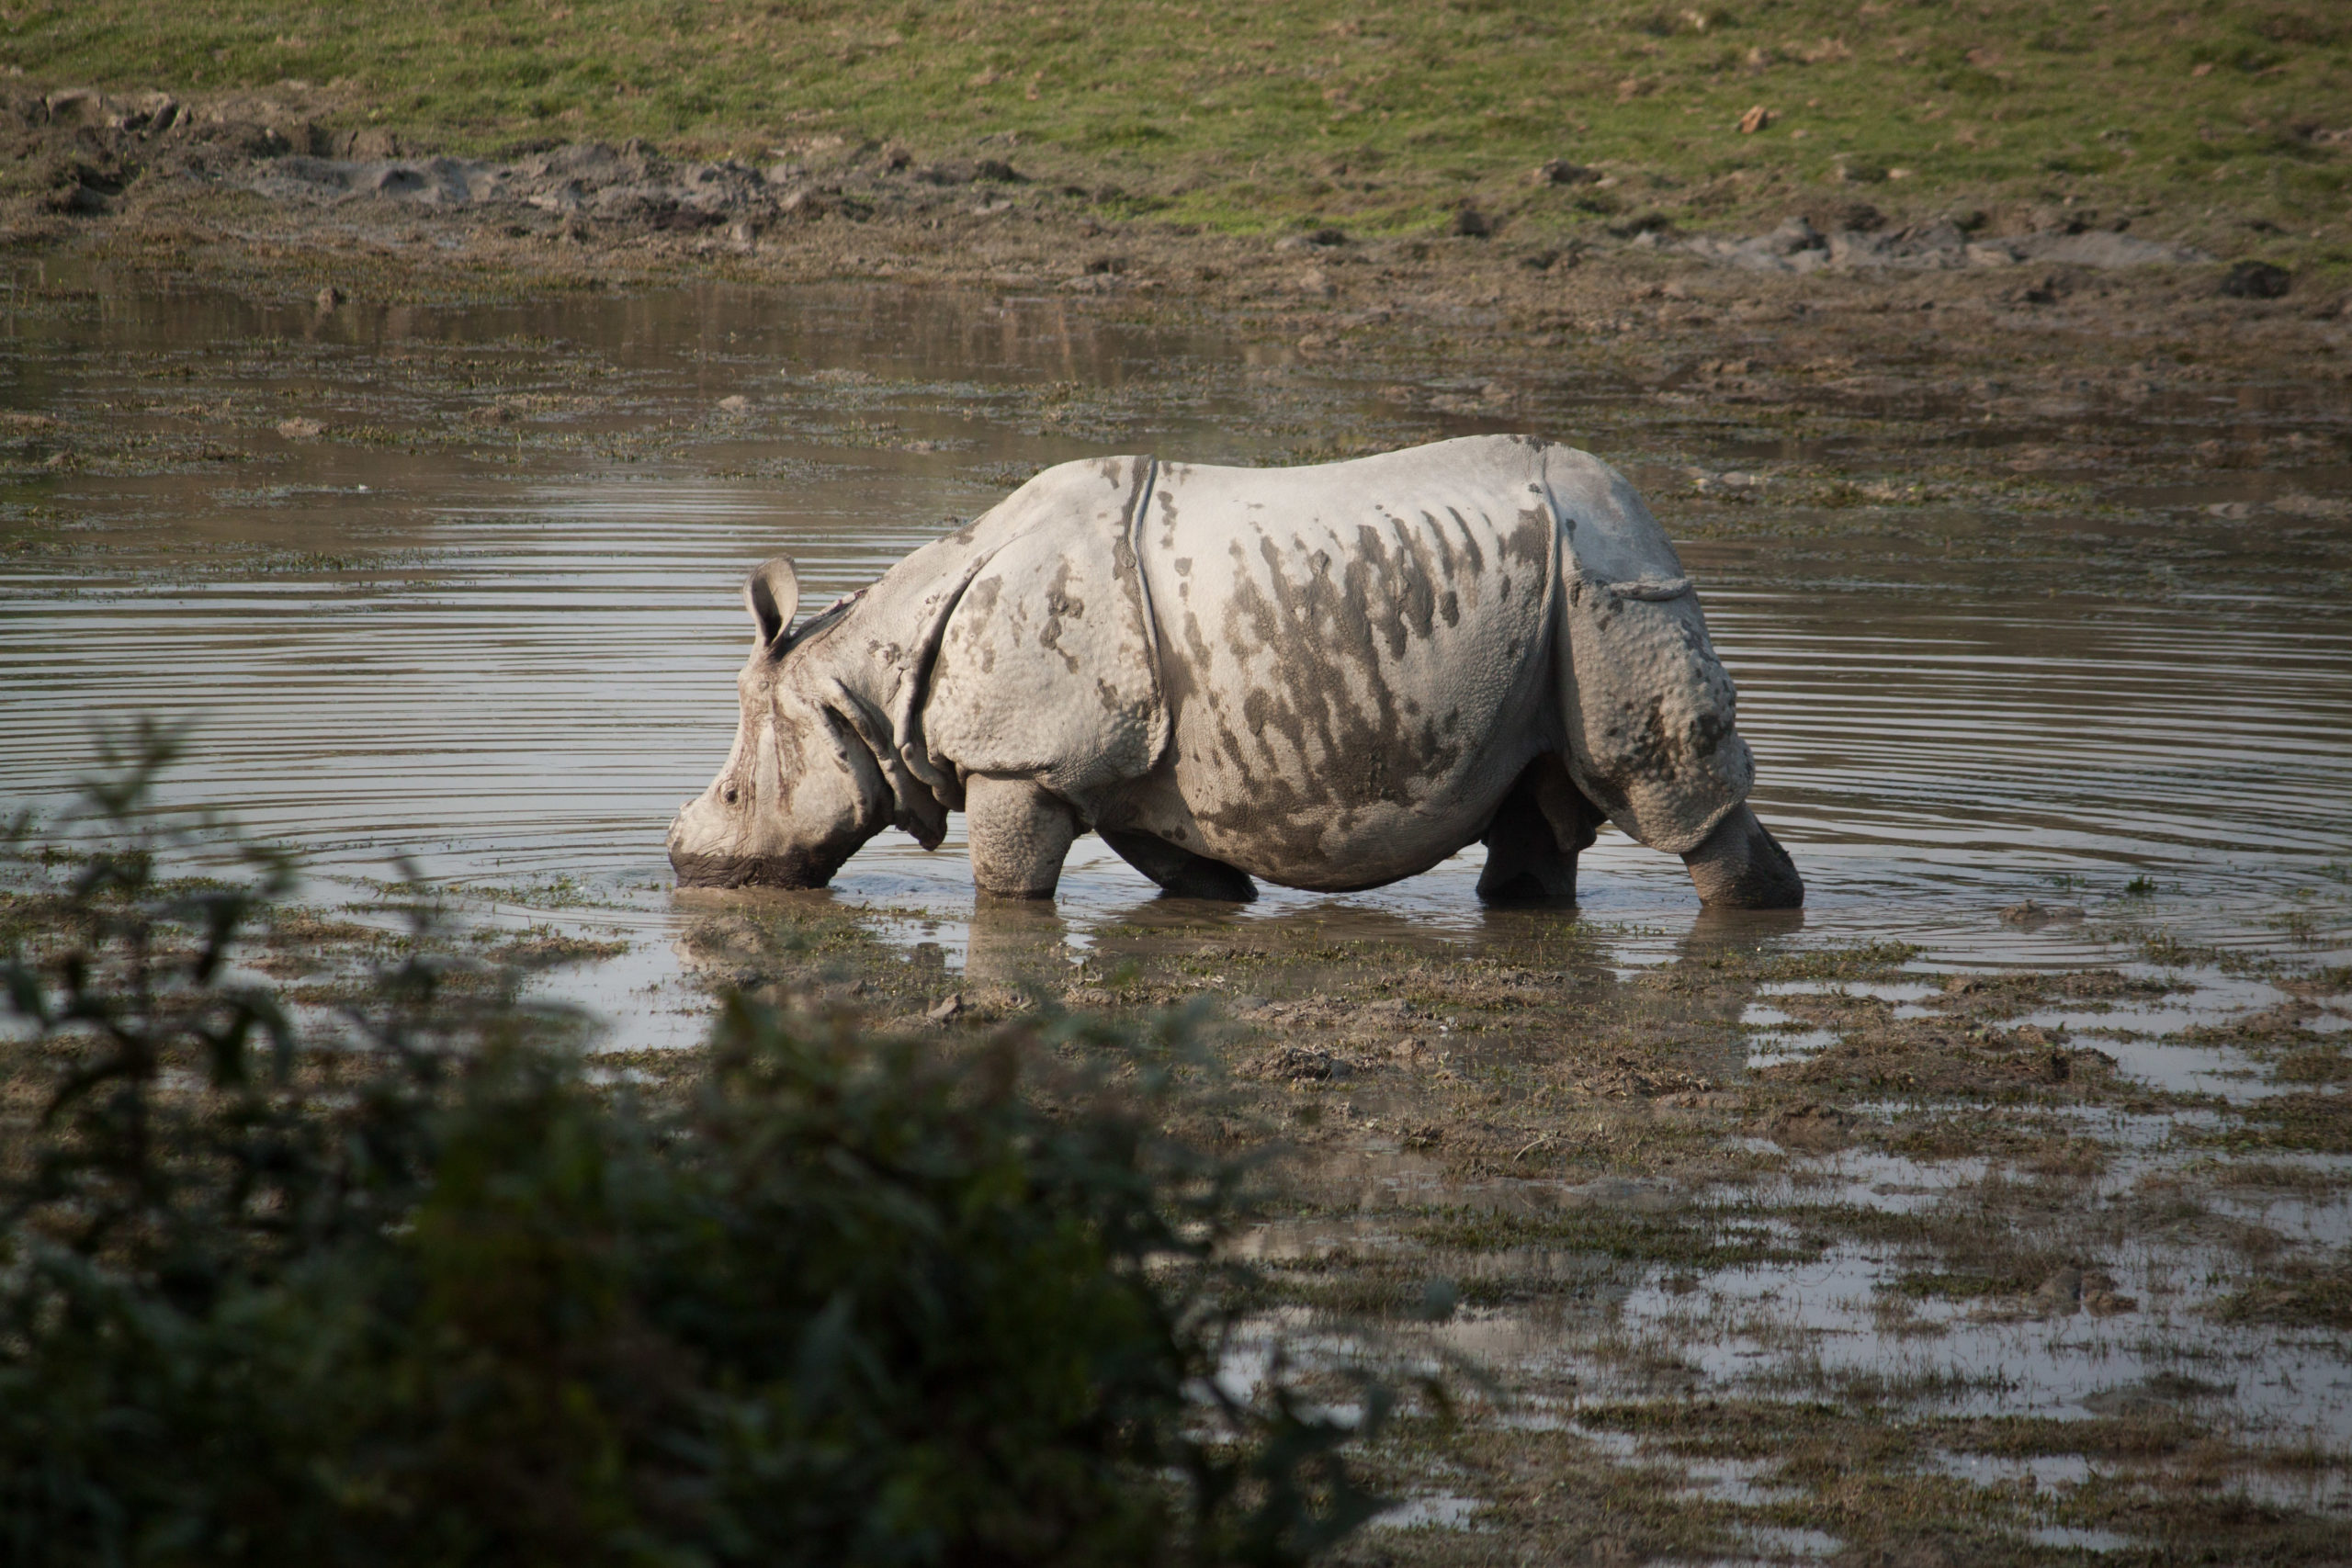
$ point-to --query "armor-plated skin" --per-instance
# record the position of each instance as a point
(1330, 677)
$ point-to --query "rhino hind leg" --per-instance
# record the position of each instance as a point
(1538, 831)
(1020, 834)
(1180, 873)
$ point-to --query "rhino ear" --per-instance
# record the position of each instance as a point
(772, 595)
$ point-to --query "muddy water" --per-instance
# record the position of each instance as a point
(488, 617)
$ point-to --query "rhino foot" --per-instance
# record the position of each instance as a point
(1180, 873)
(1740, 865)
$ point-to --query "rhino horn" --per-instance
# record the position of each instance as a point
(772, 595)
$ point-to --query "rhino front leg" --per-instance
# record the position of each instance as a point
(1538, 831)
(1020, 834)
(1742, 866)
(1180, 873)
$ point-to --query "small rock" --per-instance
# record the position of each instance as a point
(995, 169)
(299, 429)
(1469, 223)
(80, 106)
(737, 403)
(330, 297)
(1815, 1129)
(1796, 235)
(154, 112)
(1755, 119)
(1560, 172)
(2059, 1295)
(947, 1009)
(2030, 914)
(2101, 1298)
(1961, 984)
(1299, 1064)
(2257, 280)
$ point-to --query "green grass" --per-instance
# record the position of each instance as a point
(1245, 116)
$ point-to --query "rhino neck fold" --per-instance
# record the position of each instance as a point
(871, 666)
(1139, 515)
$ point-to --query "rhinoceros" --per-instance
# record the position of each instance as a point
(1328, 677)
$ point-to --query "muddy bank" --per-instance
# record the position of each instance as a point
(1770, 1250)
(257, 192)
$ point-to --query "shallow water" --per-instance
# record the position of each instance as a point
(506, 649)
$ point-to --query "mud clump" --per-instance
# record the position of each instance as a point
(2257, 280)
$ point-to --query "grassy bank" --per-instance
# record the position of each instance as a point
(2226, 122)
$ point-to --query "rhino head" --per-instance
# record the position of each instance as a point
(800, 791)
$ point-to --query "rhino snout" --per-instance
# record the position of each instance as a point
(1741, 865)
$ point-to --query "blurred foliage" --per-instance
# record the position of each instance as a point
(409, 1285)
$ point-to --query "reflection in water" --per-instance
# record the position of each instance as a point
(1018, 945)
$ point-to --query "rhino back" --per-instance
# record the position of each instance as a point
(1356, 656)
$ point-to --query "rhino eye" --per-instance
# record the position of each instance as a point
(731, 794)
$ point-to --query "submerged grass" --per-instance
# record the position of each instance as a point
(1386, 120)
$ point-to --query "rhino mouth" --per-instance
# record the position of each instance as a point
(1741, 866)
(753, 871)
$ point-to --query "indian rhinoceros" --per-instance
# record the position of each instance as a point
(1330, 677)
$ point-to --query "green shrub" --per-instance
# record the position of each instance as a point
(410, 1287)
